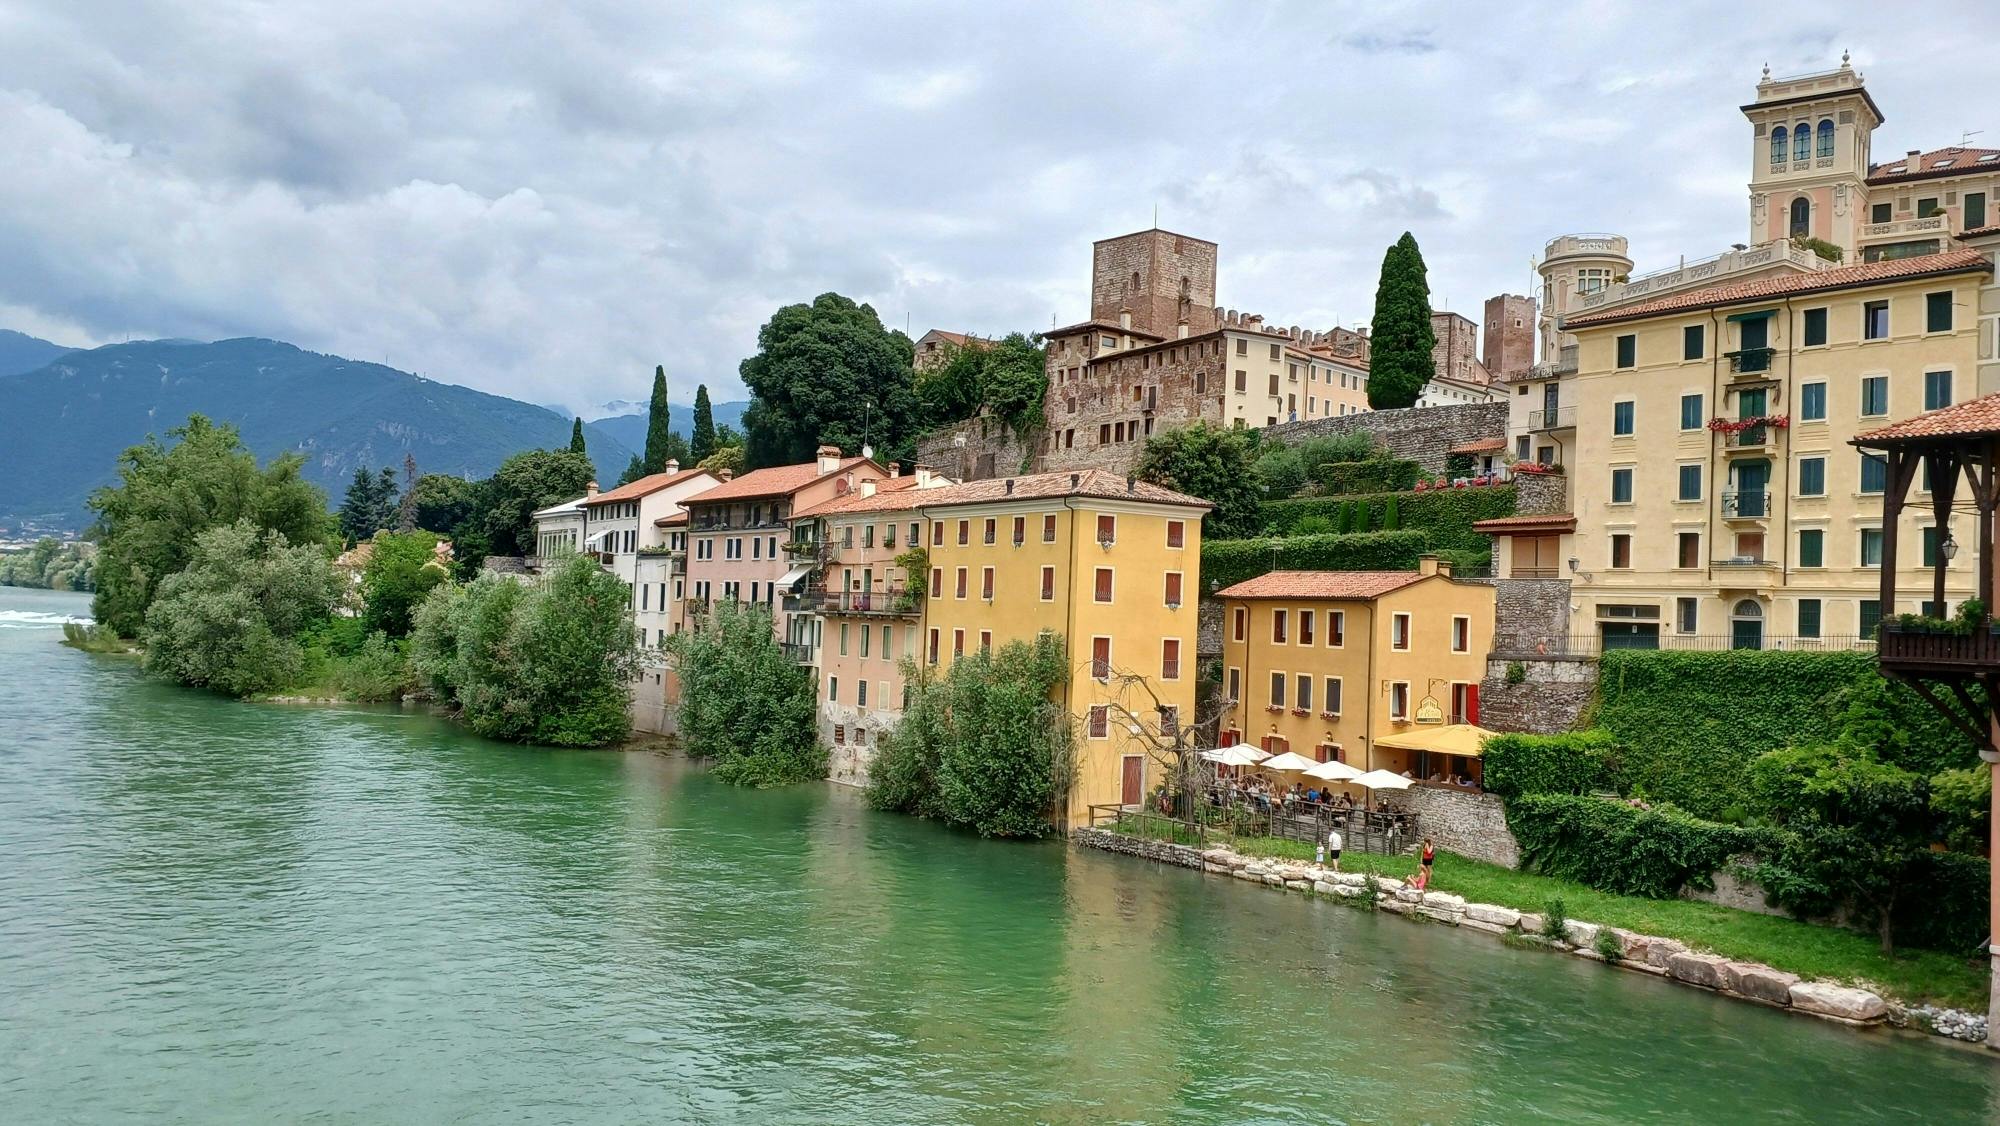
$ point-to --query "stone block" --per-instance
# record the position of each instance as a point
(1490, 915)
(1273, 879)
(1581, 934)
(1246, 874)
(1444, 900)
(1482, 925)
(1530, 923)
(1325, 888)
(1763, 983)
(1660, 951)
(1631, 947)
(1396, 906)
(1444, 915)
(1387, 884)
(1705, 970)
(1298, 885)
(1409, 895)
(1843, 1002)
(1348, 879)
(1220, 856)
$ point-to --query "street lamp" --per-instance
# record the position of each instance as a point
(1948, 548)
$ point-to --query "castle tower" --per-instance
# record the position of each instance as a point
(1573, 268)
(1508, 328)
(1158, 278)
(1810, 138)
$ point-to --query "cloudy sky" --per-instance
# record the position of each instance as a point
(546, 199)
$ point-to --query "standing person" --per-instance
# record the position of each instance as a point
(1429, 858)
(1333, 843)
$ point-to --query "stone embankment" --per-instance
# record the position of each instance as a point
(1660, 957)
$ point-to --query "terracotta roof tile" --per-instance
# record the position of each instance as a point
(1516, 525)
(1967, 419)
(1322, 584)
(892, 494)
(776, 481)
(644, 486)
(676, 520)
(1482, 446)
(1981, 232)
(1952, 160)
(1107, 326)
(1098, 483)
(1961, 260)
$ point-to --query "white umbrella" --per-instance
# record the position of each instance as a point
(1333, 770)
(1382, 780)
(1290, 762)
(1235, 756)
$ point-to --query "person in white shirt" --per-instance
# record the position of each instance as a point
(1333, 848)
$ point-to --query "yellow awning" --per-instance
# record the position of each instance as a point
(1454, 739)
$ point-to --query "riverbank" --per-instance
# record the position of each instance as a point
(1772, 961)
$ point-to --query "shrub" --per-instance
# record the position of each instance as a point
(1457, 466)
(1314, 526)
(1962, 801)
(1555, 919)
(1517, 673)
(378, 673)
(1391, 517)
(744, 702)
(402, 569)
(1279, 470)
(1944, 902)
(1225, 562)
(1608, 947)
(1373, 475)
(231, 621)
(1447, 515)
(1576, 762)
(1616, 847)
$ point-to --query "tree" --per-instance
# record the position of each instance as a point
(525, 482)
(576, 436)
(828, 372)
(168, 494)
(1210, 462)
(1401, 339)
(724, 457)
(727, 435)
(400, 571)
(230, 620)
(406, 508)
(1006, 377)
(51, 564)
(634, 469)
(370, 504)
(701, 438)
(744, 701)
(439, 502)
(662, 444)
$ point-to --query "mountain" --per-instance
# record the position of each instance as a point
(631, 429)
(20, 352)
(63, 425)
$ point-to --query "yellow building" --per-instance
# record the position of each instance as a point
(1324, 663)
(1717, 498)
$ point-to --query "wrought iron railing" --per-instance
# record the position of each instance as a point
(1746, 504)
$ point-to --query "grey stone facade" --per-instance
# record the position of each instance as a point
(1422, 434)
(1552, 696)
(1208, 627)
(1469, 824)
(1530, 616)
(1180, 856)
(990, 449)
(1541, 494)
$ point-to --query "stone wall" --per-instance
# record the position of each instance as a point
(1469, 824)
(1530, 616)
(1541, 494)
(991, 449)
(1180, 856)
(1208, 627)
(1422, 434)
(1098, 415)
(1552, 696)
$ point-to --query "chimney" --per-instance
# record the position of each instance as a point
(673, 465)
(726, 474)
(1131, 483)
(829, 459)
(1915, 153)
(895, 470)
(1433, 565)
(1010, 486)
(923, 473)
(1075, 479)
(590, 490)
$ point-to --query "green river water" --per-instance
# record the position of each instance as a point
(220, 912)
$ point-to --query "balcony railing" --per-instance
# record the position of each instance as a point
(1921, 225)
(896, 602)
(1561, 418)
(1749, 438)
(1746, 504)
(1592, 644)
(1920, 649)
(1750, 360)
(799, 651)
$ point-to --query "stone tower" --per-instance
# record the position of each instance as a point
(1160, 280)
(1573, 268)
(1809, 156)
(1509, 336)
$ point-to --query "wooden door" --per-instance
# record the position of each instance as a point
(1132, 781)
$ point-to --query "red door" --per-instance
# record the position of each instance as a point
(1130, 795)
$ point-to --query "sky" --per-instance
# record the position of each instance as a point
(545, 200)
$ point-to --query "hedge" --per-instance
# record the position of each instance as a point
(1447, 514)
(1943, 903)
(1690, 722)
(1375, 475)
(1575, 762)
(1620, 848)
(1226, 562)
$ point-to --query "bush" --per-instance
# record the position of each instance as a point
(1962, 802)
(744, 702)
(1225, 562)
(402, 568)
(1576, 762)
(231, 621)
(1621, 848)
(1446, 514)
(1392, 518)
(1279, 470)
(1213, 463)
(1944, 902)
(1555, 919)
(1315, 526)
(378, 673)
(1374, 475)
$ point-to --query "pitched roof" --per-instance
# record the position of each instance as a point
(776, 481)
(1097, 483)
(1521, 525)
(680, 517)
(1482, 446)
(1961, 260)
(1981, 232)
(1106, 326)
(1952, 160)
(1322, 584)
(1970, 418)
(644, 486)
(892, 494)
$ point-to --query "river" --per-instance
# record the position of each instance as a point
(220, 912)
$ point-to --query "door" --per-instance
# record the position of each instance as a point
(1549, 394)
(1746, 625)
(1751, 479)
(1630, 635)
(1129, 794)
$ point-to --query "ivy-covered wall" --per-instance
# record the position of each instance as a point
(1447, 514)
(1225, 562)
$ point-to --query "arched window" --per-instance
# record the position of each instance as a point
(1826, 136)
(1135, 281)
(1778, 138)
(1802, 141)
(1748, 608)
(1801, 225)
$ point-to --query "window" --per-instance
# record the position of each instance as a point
(1399, 631)
(1927, 207)
(1812, 476)
(1937, 389)
(1930, 548)
(1100, 658)
(1875, 320)
(833, 689)
(1049, 528)
(964, 532)
(1812, 402)
(1689, 550)
(1242, 622)
(957, 643)
(1802, 141)
(1692, 341)
(992, 527)
(860, 693)
(1278, 622)
(1330, 699)
(1277, 690)
(915, 537)
(1800, 224)
(1871, 616)
(1779, 137)
(1824, 145)
(1937, 312)
(1621, 550)
(1173, 598)
(1690, 482)
(1812, 547)
(1874, 473)
(1102, 591)
(1336, 628)
(1100, 721)
(1107, 530)
(1815, 327)
(1399, 700)
(959, 591)
(1628, 350)
(933, 651)
(1461, 634)
(1809, 617)
(1874, 395)
(1303, 698)
(1975, 211)
(1170, 658)
(1242, 377)
(843, 639)
(1880, 212)
(937, 582)
(1048, 584)
(1621, 485)
(1691, 412)
(1871, 547)
(937, 534)
(986, 583)
(1621, 418)
(986, 641)
(1176, 533)
(1020, 530)
(1687, 614)
(1235, 684)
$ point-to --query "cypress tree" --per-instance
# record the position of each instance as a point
(1340, 519)
(701, 439)
(634, 470)
(659, 434)
(576, 436)
(1401, 339)
(1391, 518)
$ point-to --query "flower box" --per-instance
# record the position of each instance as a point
(1329, 715)
(1300, 712)
(1274, 709)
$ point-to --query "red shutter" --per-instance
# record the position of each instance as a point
(1472, 704)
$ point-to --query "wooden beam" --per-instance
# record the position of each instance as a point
(1969, 727)
(1897, 484)
(1944, 486)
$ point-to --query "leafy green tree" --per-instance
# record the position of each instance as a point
(727, 435)
(440, 502)
(744, 702)
(1962, 801)
(1391, 518)
(230, 620)
(701, 437)
(662, 444)
(1279, 470)
(406, 508)
(1006, 377)
(168, 494)
(634, 469)
(828, 372)
(1401, 339)
(1210, 462)
(576, 435)
(525, 482)
(370, 505)
(724, 457)
(50, 564)
(400, 571)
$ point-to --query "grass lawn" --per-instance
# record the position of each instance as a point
(1787, 944)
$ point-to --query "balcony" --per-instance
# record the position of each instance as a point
(1746, 572)
(801, 652)
(1928, 651)
(1750, 361)
(1751, 504)
(1547, 421)
(803, 549)
(1904, 228)
(893, 603)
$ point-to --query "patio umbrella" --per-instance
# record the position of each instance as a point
(1382, 780)
(1290, 762)
(1235, 756)
(1461, 739)
(1333, 771)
